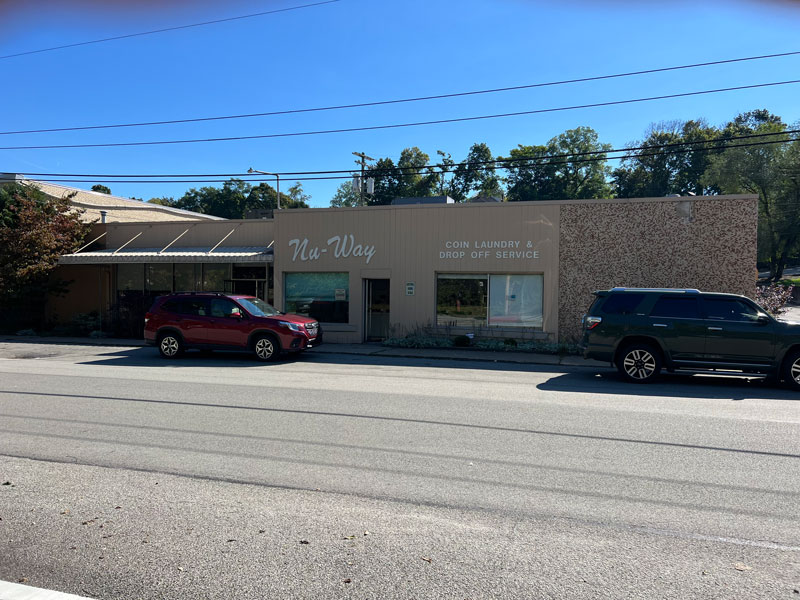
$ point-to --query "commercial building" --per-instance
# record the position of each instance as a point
(523, 270)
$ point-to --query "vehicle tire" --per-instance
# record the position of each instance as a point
(266, 348)
(639, 363)
(170, 345)
(790, 372)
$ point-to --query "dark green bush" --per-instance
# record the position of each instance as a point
(461, 341)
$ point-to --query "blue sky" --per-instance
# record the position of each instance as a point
(361, 51)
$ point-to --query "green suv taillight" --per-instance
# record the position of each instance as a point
(590, 322)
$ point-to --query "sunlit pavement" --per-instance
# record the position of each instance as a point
(134, 477)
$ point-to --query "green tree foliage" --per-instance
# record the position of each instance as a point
(444, 174)
(387, 182)
(411, 177)
(345, 196)
(475, 175)
(530, 176)
(99, 187)
(295, 197)
(773, 172)
(653, 170)
(35, 230)
(236, 199)
(414, 176)
(551, 173)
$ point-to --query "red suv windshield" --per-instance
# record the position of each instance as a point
(258, 308)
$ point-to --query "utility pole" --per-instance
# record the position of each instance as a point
(363, 162)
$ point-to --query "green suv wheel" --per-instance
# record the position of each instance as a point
(639, 363)
(791, 369)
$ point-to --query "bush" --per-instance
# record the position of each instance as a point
(418, 340)
(461, 341)
(510, 342)
(773, 297)
(84, 323)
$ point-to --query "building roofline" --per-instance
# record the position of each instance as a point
(130, 203)
(484, 205)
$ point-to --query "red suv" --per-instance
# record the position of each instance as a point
(211, 321)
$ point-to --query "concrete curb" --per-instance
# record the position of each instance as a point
(519, 358)
(16, 591)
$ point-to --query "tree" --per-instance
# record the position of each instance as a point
(412, 177)
(236, 198)
(773, 172)
(476, 174)
(530, 176)
(295, 197)
(655, 170)
(227, 202)
(444, 174)
(571, 165)
(417, 179)
(35, 230)
(99, 187)
(387, 182)
(345, 196)
(163, 201)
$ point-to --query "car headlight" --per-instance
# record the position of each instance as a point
(292, 326)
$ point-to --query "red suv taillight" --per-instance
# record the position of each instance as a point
(590, 322)
(147, 317)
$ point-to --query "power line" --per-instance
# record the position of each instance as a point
(402, 100)
(165, 29)
(400, 125)
(528, 162)
(496, 161)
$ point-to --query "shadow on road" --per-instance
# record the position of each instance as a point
(590, 381)
(149, 357)
(565, 379)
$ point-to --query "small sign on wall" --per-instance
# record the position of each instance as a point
(340, 294)
(410, 288)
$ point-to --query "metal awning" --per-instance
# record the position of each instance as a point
(219, 254)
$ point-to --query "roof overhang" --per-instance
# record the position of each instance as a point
(238, 254)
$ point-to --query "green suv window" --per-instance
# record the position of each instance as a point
(729, 309)
(622, 304)
(677, 307)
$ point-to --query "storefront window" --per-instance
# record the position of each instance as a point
(158, 278)
(130, 277)
(214, 276)
(249, 271)
(515, 300)
(321, 296)
(461, 300)
(187, 277)
(469, 300)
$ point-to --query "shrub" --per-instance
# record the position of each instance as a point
(461, 341)
(773, 297)
(511, 342)
(418, 340)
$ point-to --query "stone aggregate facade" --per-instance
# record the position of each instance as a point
(708, 243)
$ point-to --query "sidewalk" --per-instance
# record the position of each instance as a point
(464, 354)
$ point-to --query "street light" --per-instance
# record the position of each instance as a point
(277, 181)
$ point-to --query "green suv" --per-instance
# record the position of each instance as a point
(642, 331)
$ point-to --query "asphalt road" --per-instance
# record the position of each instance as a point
(362, 477)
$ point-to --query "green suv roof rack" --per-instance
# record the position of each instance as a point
(678, 290)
